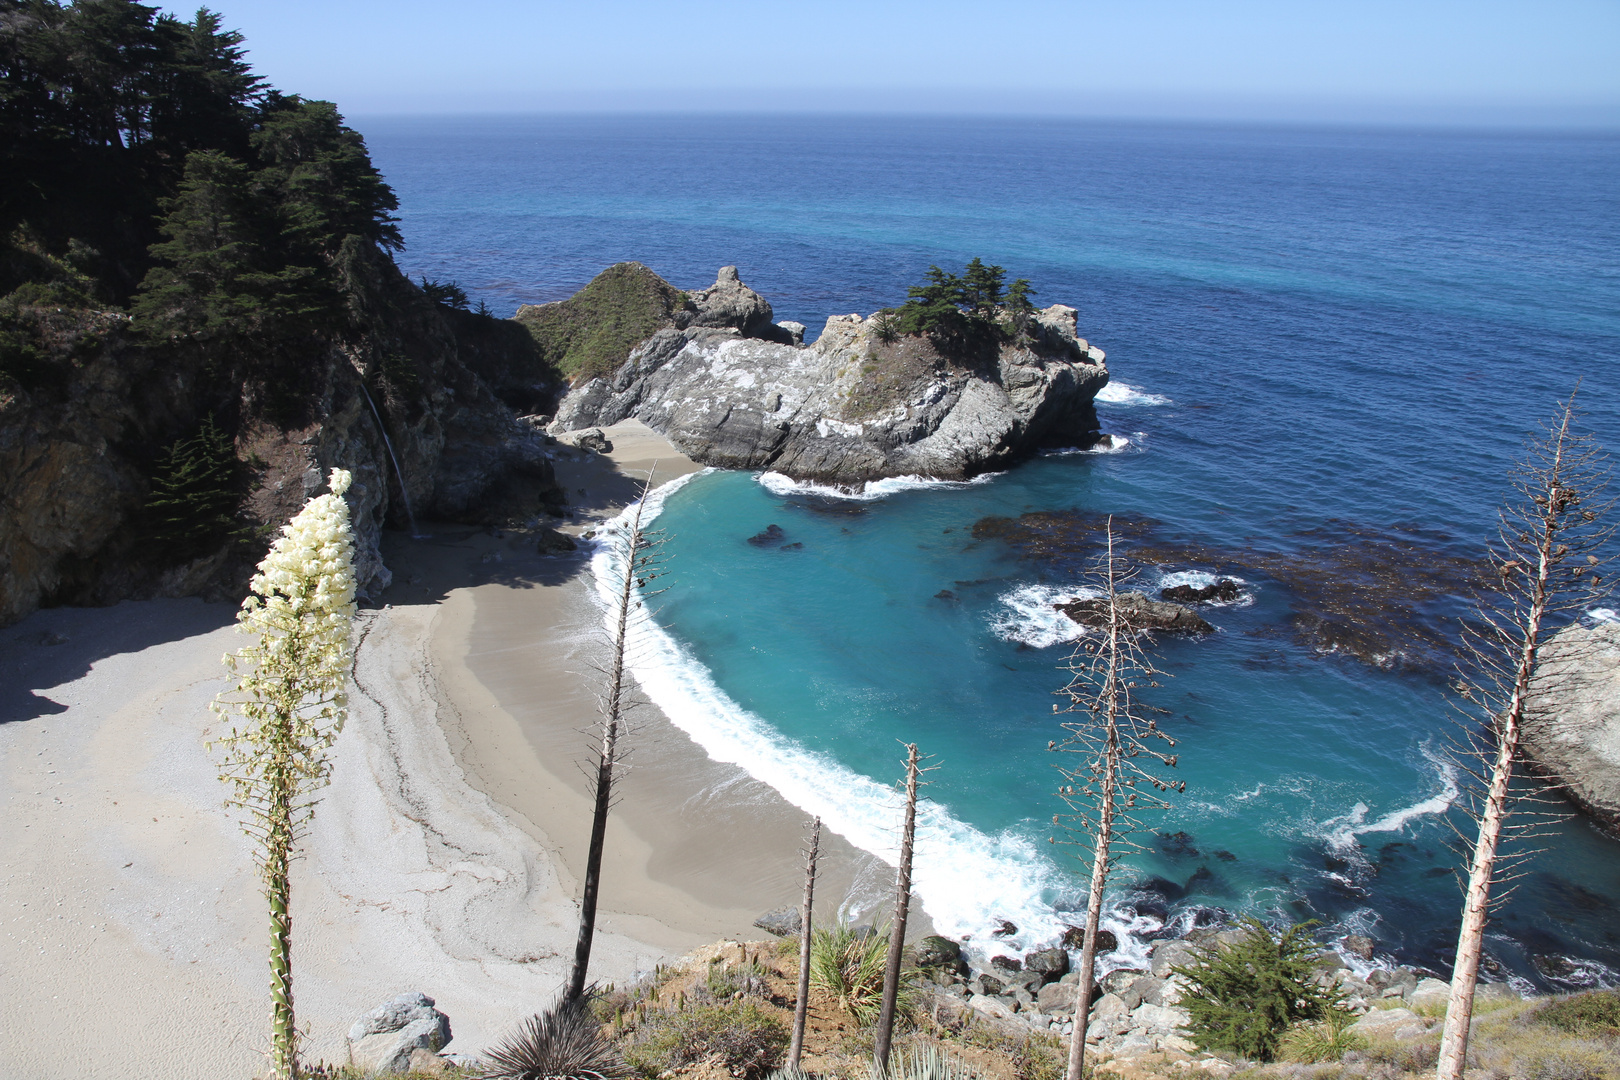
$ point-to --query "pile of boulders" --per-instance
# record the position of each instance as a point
(1137, 1012)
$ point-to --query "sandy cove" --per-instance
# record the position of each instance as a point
(443, 858)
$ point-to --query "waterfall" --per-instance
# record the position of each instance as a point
(389, 445)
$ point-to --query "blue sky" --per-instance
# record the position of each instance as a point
(1554, 62)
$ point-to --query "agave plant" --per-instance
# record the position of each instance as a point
(849, 964)
(562, 1043)
(928, 1062)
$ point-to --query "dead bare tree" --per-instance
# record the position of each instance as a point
(1117, 776)
(1549, 555)
(638, 559)
(802, 1008)
(902, 907)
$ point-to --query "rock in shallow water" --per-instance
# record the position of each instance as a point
(1140, 612)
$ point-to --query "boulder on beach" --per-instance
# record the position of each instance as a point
(783, 922)
(383, 1040)
(935, 951)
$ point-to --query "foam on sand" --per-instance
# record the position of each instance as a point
(967, 880)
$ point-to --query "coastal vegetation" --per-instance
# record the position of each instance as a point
(288, 705)
(636, 552)
(961, 311)
(1246, 996)
(592, 332)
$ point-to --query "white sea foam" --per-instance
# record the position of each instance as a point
(1342, 832)
(1029, 615)
(1118, 393)
(967, 879)
(778, 484)
(1108, 444)
(1603, 614)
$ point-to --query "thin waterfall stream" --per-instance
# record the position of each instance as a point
(405, 495)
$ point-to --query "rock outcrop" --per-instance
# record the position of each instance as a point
(1572, 726)
(730, 388)
(1141, 612)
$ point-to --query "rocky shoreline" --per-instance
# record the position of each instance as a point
(1136, 1011)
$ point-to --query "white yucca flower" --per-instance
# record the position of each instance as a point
(286, 710)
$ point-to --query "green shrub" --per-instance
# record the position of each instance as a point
(744, 1039)
(1244, 996)
(1321, 1040)
(850, 967)
(1593, 1013)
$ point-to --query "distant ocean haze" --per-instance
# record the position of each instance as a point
(1322, 341)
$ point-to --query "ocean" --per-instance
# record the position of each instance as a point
(1327, 347)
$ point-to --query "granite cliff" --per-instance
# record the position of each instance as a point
(731, 388)
(1572, 726)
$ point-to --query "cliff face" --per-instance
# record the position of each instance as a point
(1572, 726)
(852, 406)
(76, 455)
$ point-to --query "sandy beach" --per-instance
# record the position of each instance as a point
(444, 857)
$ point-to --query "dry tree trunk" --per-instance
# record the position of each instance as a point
(636, 547)
(802, 1007)
(1543, 538)
(902, 905)
(1114, 734)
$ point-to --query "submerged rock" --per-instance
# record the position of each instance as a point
(730, 388)
(1141, 613)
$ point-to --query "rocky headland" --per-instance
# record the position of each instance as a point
(732, 388)
(1572, 728)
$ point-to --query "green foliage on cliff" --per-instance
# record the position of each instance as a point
(1243, 997)
(149, 168)
(195, 494)
(965, 308)
(592, 332)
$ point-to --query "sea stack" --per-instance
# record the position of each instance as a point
(732, 389)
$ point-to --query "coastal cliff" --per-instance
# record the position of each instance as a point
(1572, 727)
(732, 389)
(81, 449)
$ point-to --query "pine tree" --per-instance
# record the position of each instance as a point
(194, 499)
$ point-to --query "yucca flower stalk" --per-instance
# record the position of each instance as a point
(286, 709)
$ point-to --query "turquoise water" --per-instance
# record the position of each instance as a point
(1308, 330)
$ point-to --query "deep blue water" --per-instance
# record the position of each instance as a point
(1318, 326)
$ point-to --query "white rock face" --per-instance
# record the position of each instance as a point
(1572, 728)
(851, 407)
(1430, 992)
